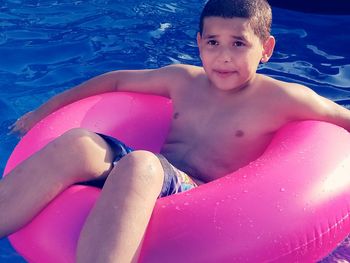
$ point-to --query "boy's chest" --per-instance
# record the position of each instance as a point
(218, 138)
(225, 122)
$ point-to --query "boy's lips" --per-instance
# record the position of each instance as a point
(224, 73)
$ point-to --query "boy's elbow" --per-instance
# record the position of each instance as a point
(108, 81)
(341, 117)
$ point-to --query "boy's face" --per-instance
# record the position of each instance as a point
(230, 51)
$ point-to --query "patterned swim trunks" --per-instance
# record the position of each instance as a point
(175, 181)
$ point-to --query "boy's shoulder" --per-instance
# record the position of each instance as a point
(177, 77)
(293, 99)
(285, 88)
(184, 70)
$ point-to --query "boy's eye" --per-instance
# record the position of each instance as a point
(212, 42)
(238, 44)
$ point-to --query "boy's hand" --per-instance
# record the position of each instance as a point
(23, 124)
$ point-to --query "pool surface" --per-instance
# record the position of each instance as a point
(49, 46)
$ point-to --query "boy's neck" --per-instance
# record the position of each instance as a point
(237, 90)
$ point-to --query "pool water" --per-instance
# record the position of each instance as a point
(49, 46)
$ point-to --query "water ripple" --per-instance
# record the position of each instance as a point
(48, 46)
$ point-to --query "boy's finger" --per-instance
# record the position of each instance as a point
(15, 129)
(17, 132)
(11, 126)
(11, 132)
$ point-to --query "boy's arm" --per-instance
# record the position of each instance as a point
(307, 104)
(157, 81)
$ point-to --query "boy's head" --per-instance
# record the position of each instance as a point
(234, 38)
(258, 12)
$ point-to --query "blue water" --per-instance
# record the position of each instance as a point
(49, 46)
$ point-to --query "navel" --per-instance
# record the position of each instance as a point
(176, 115)
(239, 133)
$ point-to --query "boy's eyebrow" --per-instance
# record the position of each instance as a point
(210, 36)
(234, 37)
(243, 38)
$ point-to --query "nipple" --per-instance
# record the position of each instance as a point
(239, 133)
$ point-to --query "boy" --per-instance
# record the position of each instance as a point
(235, 108)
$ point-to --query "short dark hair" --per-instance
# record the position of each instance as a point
(257, 11)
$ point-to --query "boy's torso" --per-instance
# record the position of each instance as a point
(215, 132)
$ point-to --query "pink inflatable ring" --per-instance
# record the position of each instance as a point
(289, 205)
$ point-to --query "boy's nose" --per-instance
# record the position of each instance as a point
(225, 55)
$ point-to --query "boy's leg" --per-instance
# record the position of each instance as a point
(78, 155)
(116, 225)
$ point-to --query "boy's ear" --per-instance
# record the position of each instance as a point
(268, 47)
(199, 38)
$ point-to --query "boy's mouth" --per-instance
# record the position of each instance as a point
(224, 73)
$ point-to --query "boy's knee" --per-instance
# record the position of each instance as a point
(77, 141)
(75, 137)
(82, 152)
(143, 165)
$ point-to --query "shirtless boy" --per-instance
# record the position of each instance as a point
(218, 108)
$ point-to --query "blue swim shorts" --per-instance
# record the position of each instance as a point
(175, 181)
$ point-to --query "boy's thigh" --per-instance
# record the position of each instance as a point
(175, 180)
(117, 150)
